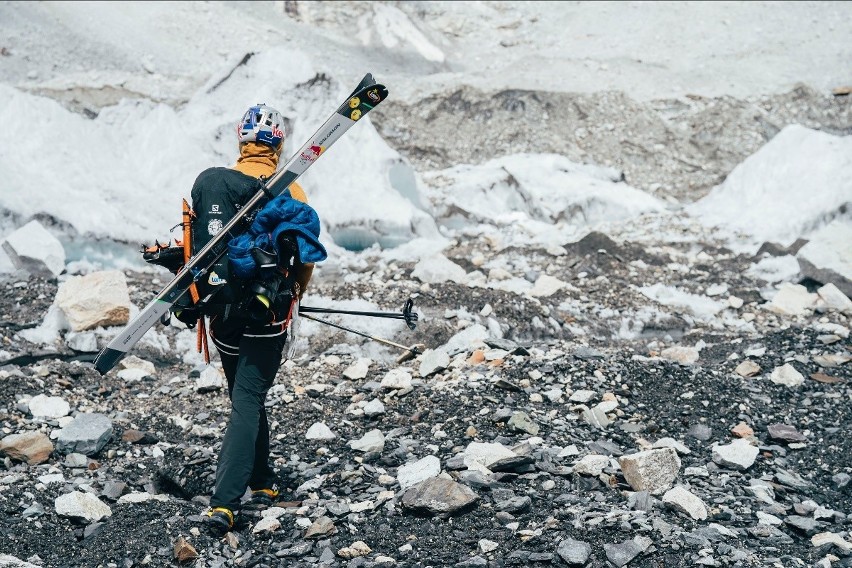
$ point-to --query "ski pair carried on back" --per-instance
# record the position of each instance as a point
(363, 99)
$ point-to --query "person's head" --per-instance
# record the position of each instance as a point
(262, 124)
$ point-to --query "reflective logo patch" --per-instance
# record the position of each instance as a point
(214, 280)
(214, 226)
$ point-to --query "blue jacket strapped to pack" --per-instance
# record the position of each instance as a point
(281, 215)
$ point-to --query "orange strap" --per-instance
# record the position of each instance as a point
(201, 343)
(188, 214)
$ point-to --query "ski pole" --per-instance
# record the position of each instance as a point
(412, 350)
(406, 313)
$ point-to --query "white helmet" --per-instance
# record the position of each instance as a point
(261, 123)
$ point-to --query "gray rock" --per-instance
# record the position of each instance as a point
(374, 408)
(805, 524)
(739, 455)
(514, 505)
(86, 434)
(621, 554)
(80, 505)
(596, 418)
(651, 470)
(521, 422)
(337, 508)
(75, 460)
(413, 473)
(785, 433)
(574, 552)
(112, 490)
(434, 361)
(791, 479)
(439, 496)
(323, 526)
(700, 432)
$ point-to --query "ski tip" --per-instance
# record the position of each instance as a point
(107, 359)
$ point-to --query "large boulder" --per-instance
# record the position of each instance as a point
(96, 299)
(34, 249)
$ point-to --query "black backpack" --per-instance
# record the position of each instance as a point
(217, 195)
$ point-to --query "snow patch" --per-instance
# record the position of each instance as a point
(796, 183)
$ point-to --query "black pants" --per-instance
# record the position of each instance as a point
(250, 359)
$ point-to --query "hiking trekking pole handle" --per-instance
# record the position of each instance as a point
(406, 313)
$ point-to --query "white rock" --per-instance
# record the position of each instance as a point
(374, 408)
(716, 289)
(398, 378)
(739, 454)
(767, 519)
(358, 370)
(683, 500)
(831, 538)
(465, 339)
(747, 368)
(78, 504)
(479, 455)
(833, 299)
(438, 269)
(486, 546)
(372, 441)
(8, 561)
(211, 379)
(361, 506)
(546, 285)
(319, 431)
(141, 497)
(86, 342)
(735, 302)
(413, 473)
(131, 376)
(651, 470)
(134, 362)
(792, 300)
(433, 361)
(48, 407)
(591, 465)
(786, 375)
(266, 524)
(34, 249)
(680, 354)
(274, 512)
(96, 299)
